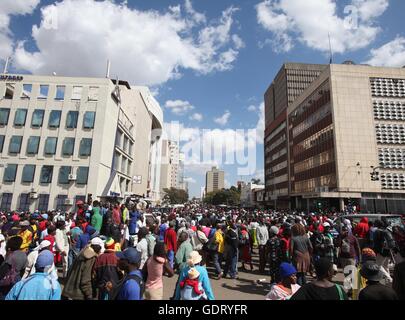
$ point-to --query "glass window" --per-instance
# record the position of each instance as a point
(46, 174)
(24, 202)
(20, 116)
(15, 144)
(4, 114)
(10, 173)
(43, 202)
(1, 143)
(125, 146)
(93, 94)
(60, 92)
(28, 173)
(68, 146)
(85, 147)
(6, 202)
(88, 120)
(82, 175)
(54, 118)
(60, 201)
(37, 118)
(118, 138)
(71, 120)
(77, 93)
(50, 145)
(43, 91)
(33, 145)
(64, 172)
(26, 93)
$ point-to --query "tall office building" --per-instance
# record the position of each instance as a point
(290, 82)
(350, 119)
(215, 180)
(63, 139)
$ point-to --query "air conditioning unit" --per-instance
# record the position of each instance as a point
(72, 177)
(68, 202)
(33, 195)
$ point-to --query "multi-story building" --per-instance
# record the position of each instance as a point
(290, 82)
(63, 139)
(348, 123)
(248, 194)
(215, 180)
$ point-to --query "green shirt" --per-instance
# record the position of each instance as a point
(97, 219)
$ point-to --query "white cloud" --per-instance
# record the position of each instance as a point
(310, 22)
(392, 54)
(223, 120)
(251, 108)
(9, 8)
(179, 107)
(190, 180)
(259, 174)
(239, 44)
(145, 47)
(196, 117)
(260, 125)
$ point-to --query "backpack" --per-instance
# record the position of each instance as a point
(117, 289)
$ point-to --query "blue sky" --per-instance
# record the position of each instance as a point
(200, 57)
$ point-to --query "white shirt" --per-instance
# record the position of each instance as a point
(142, 247)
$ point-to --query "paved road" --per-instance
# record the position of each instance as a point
(244, 288)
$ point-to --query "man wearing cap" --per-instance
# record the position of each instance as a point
(133, 286)
(40, 285)
(33, 256)
(79, 280)
(374, 289)
(25, 234)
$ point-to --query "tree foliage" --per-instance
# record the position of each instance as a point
(229, 197)
(175, 196)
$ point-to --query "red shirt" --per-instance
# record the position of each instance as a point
(51, 239)
(42, 225)
(171, 239)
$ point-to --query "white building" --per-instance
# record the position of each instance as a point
(247, 194)
(64, 139)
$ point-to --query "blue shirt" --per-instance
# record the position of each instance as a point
(131, 290)
(203, 279)
(162, 230)
(39, 286)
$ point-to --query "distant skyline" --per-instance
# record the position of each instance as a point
(208, 63)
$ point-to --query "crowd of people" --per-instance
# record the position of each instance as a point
(112, 251)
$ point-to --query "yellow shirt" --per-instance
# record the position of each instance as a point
(219, 238)
(27, 239)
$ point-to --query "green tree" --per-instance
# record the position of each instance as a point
(255, 181)
(229, 197)
(175, 196)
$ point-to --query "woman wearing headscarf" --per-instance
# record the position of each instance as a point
(194, 261)
(287, 286)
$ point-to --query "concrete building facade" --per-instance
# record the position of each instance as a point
(289, 83)
(215, 180)
(248, 194)
(349, 123)
(64, 139)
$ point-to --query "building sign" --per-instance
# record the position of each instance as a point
(7, 77)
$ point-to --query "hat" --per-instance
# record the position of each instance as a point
(43, 244)
(131, 254)
(15, 217)
(194, 258)
(110, 244)
(45, 259)
(371, 271)
(172, 224)
(98, 242)
(368, 254)
(79, 202)
(44, 216)
(326, 224)
(24, 223)
(274, 230)
(286, 270)
(193, 274)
